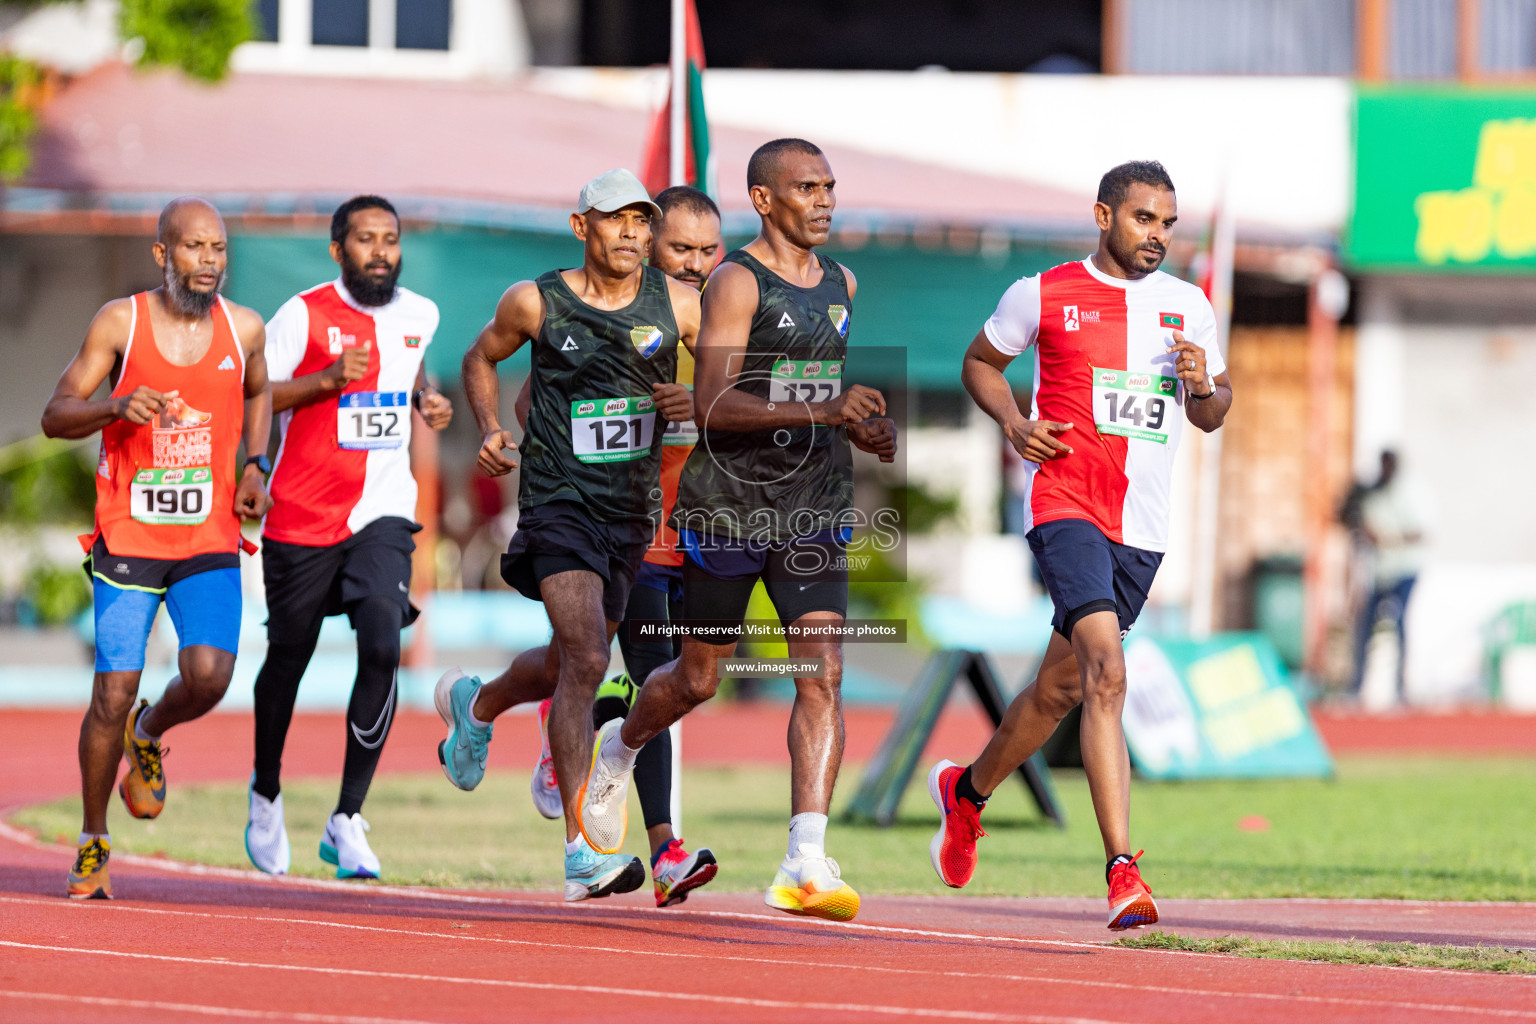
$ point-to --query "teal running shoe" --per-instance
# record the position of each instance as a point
(463, 753)
(590, 875)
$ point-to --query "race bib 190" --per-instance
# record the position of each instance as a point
(806, 380)
(373, 419)
(1138, 405)
(612, 429)
(172, 497)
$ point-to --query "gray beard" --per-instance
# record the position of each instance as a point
(185, 300)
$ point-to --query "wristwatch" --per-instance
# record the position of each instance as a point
(262, 463)
(416, 398)
(1200, 398)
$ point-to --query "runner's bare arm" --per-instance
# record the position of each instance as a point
(674, 401)
(726, 321)
(433, 405)
(70, 412)
(519, 316)
(1204, 408)
(982, 374)
(523, 403)
(251, 498)
(351, 365)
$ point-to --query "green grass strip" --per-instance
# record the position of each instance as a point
(1349, 951)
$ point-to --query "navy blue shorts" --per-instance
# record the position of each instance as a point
(1086, 572)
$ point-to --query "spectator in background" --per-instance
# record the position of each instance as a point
(1389, 518)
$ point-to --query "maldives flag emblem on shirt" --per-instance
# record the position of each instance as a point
(1174, 320)
(413, 341)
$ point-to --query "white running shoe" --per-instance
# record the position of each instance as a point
(812, 885)
(544, 786)
(603, 802)
(266, 840)
(345, 846)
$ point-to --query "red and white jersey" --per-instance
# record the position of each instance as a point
(345, 458)
(1102, 364)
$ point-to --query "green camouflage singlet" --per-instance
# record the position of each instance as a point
(594, 437)
(774, 485)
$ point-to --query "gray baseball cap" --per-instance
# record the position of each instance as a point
(614, 190)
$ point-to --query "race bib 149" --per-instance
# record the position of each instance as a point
(1137, 405)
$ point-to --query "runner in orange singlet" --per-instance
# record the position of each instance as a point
(189, 381)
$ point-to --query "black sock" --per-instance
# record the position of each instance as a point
(1116, 859)
(966, 790)
(371, 710)
(277, 684)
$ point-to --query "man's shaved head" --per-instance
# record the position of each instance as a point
(178, 212)
(764, 167)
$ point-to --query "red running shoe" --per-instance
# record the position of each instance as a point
(1130, 900)
(953, 849)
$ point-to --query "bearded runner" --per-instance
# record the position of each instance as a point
(188, 378)
(347, 375)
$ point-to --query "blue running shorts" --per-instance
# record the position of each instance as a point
(1086, 572)
(204, 608)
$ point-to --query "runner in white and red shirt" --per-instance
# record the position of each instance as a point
(1124, 354)
(346, 364)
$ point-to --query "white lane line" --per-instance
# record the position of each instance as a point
(207, 1011)
(691, 997)
(983, 975)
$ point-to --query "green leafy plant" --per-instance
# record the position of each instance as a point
(196, 36)
(57, 594)
(21, 84)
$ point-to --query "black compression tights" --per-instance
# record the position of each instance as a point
(370, 712)
(653, 765)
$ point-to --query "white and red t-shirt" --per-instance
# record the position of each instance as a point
(345, 458)
(1102, 364)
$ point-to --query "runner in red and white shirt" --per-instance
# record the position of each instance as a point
(1124, 354)
(346, 364)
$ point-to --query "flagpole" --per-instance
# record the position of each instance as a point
(1202, 613)
(677, 165)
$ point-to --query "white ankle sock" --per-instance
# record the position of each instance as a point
(573, 845)
(617, 754)
(86, 837)
(472, 698)
(138, 729)
(807, 829)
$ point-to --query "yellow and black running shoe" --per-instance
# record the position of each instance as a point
(143, 785)
(88, 879)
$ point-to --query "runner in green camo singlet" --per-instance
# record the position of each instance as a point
(775, 484)
(593, 433)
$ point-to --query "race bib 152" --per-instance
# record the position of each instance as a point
(373, 419)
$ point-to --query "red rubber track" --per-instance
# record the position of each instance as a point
(188, 944)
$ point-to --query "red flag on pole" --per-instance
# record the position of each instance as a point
(656, 170)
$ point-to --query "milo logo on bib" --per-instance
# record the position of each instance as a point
(586, 408)
(614, 405)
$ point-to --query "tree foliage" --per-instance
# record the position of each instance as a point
(193, 36)
(196, 36)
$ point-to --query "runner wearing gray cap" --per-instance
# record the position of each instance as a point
(604, 366)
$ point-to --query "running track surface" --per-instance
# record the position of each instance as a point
(193, 944)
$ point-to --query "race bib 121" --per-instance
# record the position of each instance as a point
(612, 429)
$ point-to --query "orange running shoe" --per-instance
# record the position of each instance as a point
(812, 884)
(143, 785)
(88, 878)
(953, 849)
(1130, 899)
